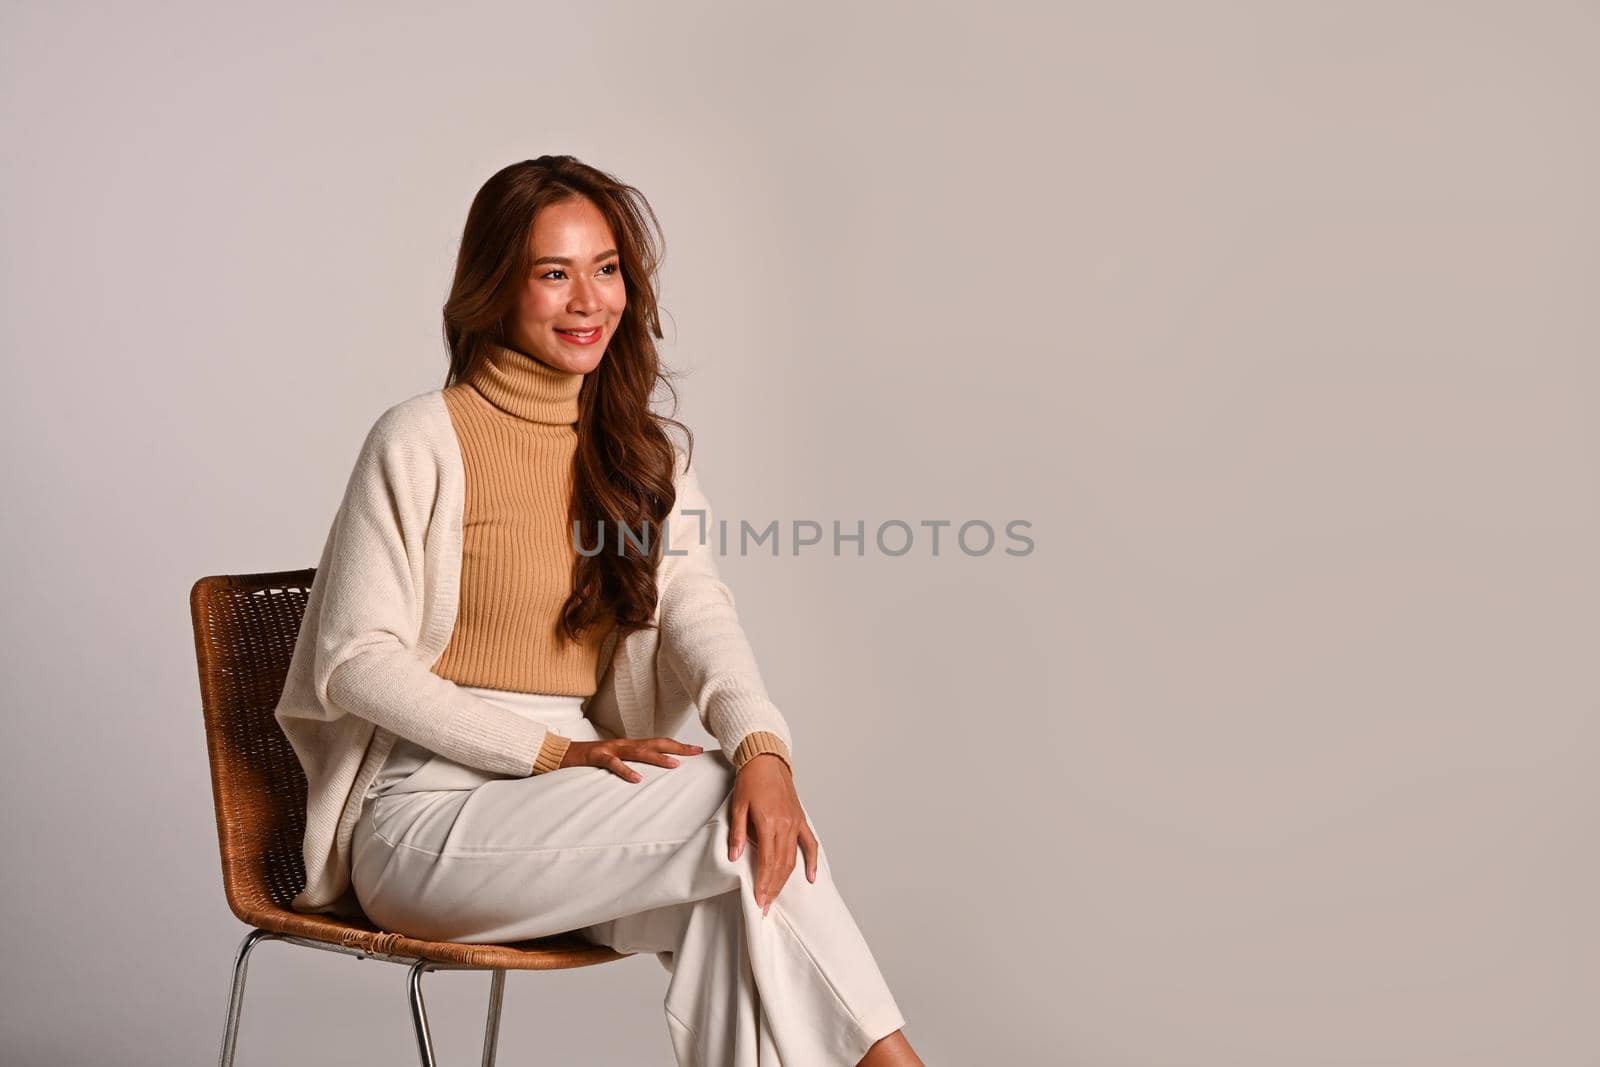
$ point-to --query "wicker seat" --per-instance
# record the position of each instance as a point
(245, 627)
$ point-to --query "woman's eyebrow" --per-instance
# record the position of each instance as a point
(565, 262)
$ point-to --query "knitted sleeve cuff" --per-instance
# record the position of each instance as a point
(758, 743)
(552, 752)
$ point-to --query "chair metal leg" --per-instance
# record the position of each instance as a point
(491, 1029)
(419, 1013)
(241, 965)
(419, 1010)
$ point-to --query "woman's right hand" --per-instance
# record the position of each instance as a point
(608, 754)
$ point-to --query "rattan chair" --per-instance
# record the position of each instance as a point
(245, 627)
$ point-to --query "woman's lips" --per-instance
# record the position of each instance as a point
(581, 337)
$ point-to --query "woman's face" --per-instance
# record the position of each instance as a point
(575, 284)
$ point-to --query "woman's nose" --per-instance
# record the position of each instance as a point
(584, 298)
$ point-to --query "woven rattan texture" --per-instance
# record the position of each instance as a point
(245, 627)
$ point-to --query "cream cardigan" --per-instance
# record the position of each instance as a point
(381, 611)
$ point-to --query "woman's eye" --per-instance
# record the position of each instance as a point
(612, 267)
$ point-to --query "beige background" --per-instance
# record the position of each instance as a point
(1276, 321)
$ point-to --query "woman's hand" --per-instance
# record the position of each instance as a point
(764, 798)
(608, 754)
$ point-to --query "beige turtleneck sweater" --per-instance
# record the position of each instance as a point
(516, 420)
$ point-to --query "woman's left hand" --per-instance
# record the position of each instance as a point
(764, 800)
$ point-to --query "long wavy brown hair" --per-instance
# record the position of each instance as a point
(623, 466)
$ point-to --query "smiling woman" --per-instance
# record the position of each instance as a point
(576, 290)
(485, 714)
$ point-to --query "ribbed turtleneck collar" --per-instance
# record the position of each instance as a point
(520, 385)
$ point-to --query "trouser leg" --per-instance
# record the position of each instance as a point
(712, 1005)
(797, 986)
(644, 867)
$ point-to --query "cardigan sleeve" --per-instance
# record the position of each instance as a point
(370, 615)
(704, 644)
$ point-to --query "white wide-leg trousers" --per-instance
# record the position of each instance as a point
(452, 853)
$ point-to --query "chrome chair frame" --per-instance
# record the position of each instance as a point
(419, 1010)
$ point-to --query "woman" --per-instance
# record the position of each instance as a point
(516, 607)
